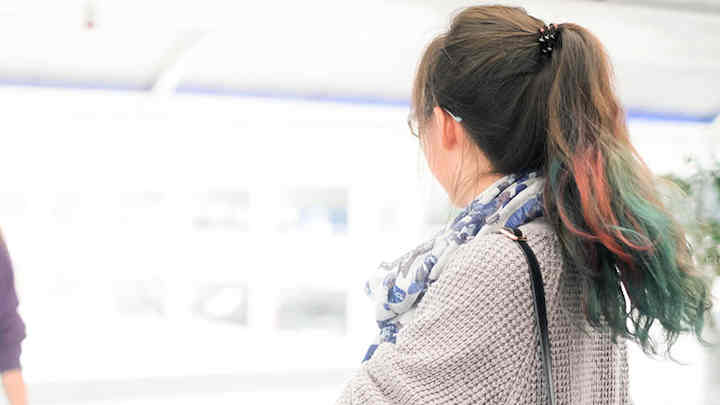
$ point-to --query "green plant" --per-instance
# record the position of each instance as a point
(699, 209)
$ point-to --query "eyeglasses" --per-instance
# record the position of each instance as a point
(415, 127)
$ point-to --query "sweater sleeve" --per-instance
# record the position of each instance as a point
(471, 339)
(12, 327)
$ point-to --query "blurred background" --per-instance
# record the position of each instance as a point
(193, 192)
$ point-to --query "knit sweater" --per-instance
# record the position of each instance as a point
(474, 339)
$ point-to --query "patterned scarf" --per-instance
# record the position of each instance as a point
(396, 287)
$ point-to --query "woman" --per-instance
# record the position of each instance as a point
(519, 122)
(12, 332)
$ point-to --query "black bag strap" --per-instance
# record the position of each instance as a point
(540, 309)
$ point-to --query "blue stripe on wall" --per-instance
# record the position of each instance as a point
(632, 113)
(293, 96)
(64, 84)
(668, 116)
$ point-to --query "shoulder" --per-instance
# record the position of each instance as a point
(496, 249)
(494, 261)
(488, 278)
(6, 267)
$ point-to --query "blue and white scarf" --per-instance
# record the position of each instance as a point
(396, 287)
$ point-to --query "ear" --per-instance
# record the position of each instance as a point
(450, 130)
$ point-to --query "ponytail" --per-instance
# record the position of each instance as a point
(604, 202)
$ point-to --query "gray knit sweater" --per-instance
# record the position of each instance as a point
(474, 339)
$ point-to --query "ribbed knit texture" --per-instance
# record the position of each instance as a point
(474, 339)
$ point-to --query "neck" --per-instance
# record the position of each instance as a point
(466, 196)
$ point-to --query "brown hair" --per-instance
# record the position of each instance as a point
(560, 115)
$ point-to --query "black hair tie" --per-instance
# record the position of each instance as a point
(547, 37)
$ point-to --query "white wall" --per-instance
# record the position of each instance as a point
(79, 214)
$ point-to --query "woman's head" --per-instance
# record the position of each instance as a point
(558, 113)
(488, 70)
